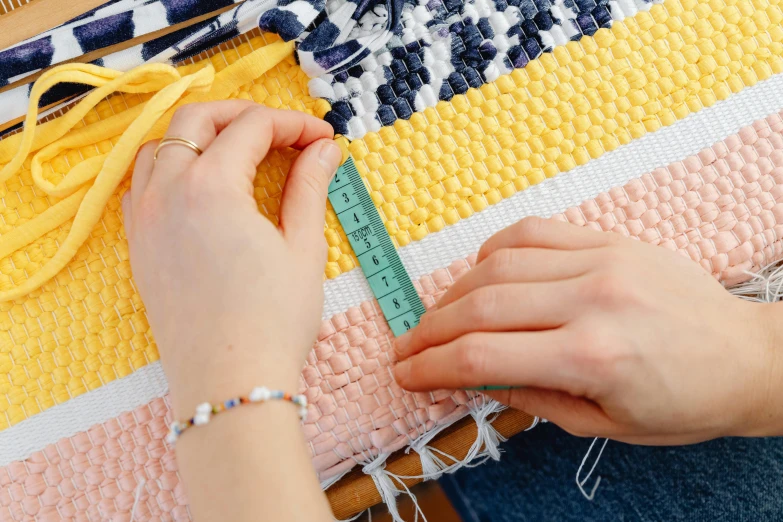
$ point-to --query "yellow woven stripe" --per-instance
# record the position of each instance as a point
(88, 327)
(560, 111)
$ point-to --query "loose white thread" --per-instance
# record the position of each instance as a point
(432, 466)
(327, 483)
(136, 498)
(487, 438)
(388, 490)
(384, 485)
(764, 286)
(580, 483)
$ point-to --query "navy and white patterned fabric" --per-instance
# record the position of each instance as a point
(375, 61)
(441, 48)
(112, 23)
(340, 36)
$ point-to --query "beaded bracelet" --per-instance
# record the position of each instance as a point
(205, 410)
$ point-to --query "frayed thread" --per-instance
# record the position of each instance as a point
(137, 498)
(388, 490)
(581, 483)
(326, 484)
(488, 439)
(764, 286)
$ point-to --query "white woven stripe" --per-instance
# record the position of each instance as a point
(82, 412)
(552, 196)
(661, 148)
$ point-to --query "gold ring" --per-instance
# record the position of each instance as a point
(176, 141)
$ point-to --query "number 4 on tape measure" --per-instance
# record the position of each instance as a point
(389, 282)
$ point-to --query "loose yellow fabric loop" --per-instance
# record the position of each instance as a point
(147, 78)
(87, 187)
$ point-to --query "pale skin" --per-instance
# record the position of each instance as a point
(606, 336)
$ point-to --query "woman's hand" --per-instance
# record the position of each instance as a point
(606, 336)
(234, 301)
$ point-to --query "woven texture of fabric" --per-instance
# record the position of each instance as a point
(559, 112)
(587, 97)
(715, 198)
(723, 207)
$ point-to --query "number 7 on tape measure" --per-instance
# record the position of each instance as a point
(389, 282)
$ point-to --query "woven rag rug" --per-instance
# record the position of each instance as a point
(661, 121)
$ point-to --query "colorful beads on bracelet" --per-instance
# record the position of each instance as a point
(205, 410)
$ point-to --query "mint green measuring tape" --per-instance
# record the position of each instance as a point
(390, 283)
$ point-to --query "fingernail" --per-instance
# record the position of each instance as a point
(402, 343)
(402, 371)
(330, 156)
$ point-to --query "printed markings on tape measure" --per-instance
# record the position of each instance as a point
(389, 282)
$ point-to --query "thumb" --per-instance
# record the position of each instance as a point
(303, 206)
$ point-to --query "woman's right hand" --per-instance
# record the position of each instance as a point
(605, 336)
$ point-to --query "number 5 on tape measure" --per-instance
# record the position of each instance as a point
(389, 282)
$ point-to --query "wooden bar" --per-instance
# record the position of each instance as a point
(31, 18)
(356, 491)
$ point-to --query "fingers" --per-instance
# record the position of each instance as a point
(496, 308)
(247, 140)
(520, 265)
(127, 213)
(303, 206)
(537, 359)
(142, 172)
(199, 123)
(535, 232)
(576, 415)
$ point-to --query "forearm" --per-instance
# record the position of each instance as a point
(250, 463)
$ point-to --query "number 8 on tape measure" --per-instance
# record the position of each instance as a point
(389, 282)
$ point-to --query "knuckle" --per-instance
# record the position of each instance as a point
(609, 287)
(423, 332)
(254, 111)
(531, 226)
(471, 355)
(481, 305)
(499, 262)
(192, 112)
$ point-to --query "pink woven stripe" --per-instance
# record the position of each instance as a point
(722, 207)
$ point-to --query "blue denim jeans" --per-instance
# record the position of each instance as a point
(727, 479)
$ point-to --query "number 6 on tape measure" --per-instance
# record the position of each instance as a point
(389, 282)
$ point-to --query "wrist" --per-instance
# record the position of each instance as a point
(765, 418)
(225, 374)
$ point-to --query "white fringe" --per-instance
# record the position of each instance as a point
(764, 286)
(580, 483)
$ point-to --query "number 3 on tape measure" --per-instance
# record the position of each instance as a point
(385, 273)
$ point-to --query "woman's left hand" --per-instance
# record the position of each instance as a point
(606, 336)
